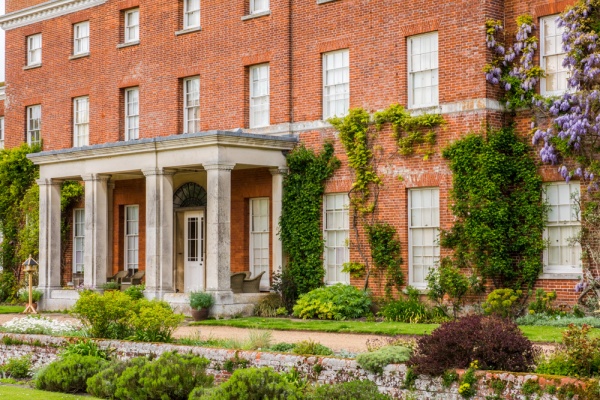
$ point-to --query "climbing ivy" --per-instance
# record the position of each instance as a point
(497, 201)
(385, 252)
(301, 232)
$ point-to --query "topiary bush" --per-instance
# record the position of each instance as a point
(333, 302)
(377, 360)
(497, 344)
(171, 376)
(252, 384)
(69, 374)
(353, 390)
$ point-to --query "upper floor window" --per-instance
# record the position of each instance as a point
(34, 49)
(132, 25)
(563, 253)
(34, 125)
(81, 38)
(1, 132)
(423, 70)
(257, 6)
(259, 96)
(552, 56)
(336, 83)
(81, 121)
(191, 105)
(191, 14)
(132, 113)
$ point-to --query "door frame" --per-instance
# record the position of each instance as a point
(181, 251)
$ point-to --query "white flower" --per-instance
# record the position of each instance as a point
(32, 324)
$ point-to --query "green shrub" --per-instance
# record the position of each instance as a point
(171, 376)
(353, 390)
(377, 360)
(252, 384)
(136, 292)
(557, 320)
(69, 374)
(269, 306)
(412, 310)
(104, 384)
(309, 347)
(200, 300)
(23, 295)
(85, 347)
(8, 284)
(333, 302)
(448, 281)
(17, 368)
(282, 347)
(503, 303)
(105, 315)
(111, 286)
(153, 321)
(543, 302)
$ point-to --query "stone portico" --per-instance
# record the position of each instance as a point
(208, 157)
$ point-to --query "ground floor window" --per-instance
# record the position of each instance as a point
(132, 237)
(78, 239)
(259, 238)
(424, 224)
(336, 232)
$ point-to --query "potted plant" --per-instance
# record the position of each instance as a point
(200, 302)
(23, 296)
(108, 286)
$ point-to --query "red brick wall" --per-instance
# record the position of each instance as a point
(128, 192)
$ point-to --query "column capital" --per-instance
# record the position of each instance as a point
(278, 170)
(95, 177)
(220, 167)
(158, 171)
(48, 181)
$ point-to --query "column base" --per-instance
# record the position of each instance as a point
(156, 293)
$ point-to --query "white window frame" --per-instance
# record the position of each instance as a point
(259, 6)
(78, 239)
(1, 133)
(259, 95)
(132, 239)
(81, 38)
(543, 55)
(341, 232)
(415, 226)
(81, 121)
(191, 14)
(132, 113)
(556, 219)
(34, 49)
(259, 240)
(191, 105)
(34, 124)
(413, 70)
(339, 89)
(132, 30)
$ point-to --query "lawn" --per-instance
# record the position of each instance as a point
(534, 333)
(11, 309)
(16, 392)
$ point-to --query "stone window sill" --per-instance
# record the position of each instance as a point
(32, 66)
(76, 56)
(325, 1)
(188, 30)
(564, 275)
(256, 15)
(128, 44)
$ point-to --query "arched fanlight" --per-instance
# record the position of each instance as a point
(189, 195)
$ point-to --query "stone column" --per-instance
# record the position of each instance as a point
(111, 214)
(95, 254)
(276, 200)
(49, 257)
(159, 232)
(218, 234)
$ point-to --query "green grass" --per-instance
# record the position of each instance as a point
(534, 333)
(26, 393)
(11, 309)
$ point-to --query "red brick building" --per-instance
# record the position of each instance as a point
(176, 116)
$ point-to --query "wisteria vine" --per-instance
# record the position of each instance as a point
(512, 67)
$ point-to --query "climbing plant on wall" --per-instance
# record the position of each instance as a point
(301, 233)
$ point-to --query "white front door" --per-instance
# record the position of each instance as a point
(193, 256)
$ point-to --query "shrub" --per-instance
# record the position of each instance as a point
(333, 302)
(252, 384)
(282, 347)
(153, 321)
(269, 306)
(106, 315)
(8, 285)
(411, 310)
(353, 390)
(309, 347)
(136, 292)
(69, 374)
(543, 303)
(377, 360)
(200, 300)
(503, 303)
(111, 286)
(104, 384)
(23, 295)
(448, 281)
(17, 368)
(495, 343)
(557, 320)
(85, 347)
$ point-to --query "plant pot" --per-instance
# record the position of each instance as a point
(200, 314)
